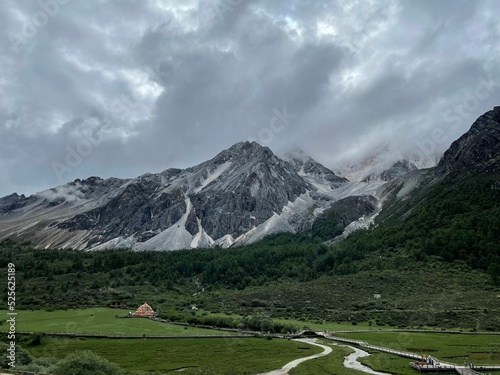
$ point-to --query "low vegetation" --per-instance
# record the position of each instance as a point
(332, 364)
(213, 356)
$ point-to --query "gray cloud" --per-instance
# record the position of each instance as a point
(134, 87)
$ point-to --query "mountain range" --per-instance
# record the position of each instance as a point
(238, 197)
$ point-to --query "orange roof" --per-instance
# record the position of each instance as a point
(144, 310)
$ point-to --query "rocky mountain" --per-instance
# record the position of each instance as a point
(398, 169)
(351, 211)
(478, 150)
(241, 195)
(238, 197)
(312, 171)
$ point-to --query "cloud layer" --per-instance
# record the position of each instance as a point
(122, 87)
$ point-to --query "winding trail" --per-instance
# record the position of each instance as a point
(290, 365)
(351, 361)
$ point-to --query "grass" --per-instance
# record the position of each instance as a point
(97, 320)
(221, 356)
(388, 363)
(481, 349)
(332, 364)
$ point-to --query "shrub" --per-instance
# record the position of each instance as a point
(86, 363)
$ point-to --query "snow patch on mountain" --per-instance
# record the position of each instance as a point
(278, 222)
(322, 186)
(409, 184)
(175, 237)
(201, 239)
(224, 242)
(116, 243)
(213, 176)
(275, 224)
(363, 222)
(354, 188)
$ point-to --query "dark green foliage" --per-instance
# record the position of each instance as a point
(86, 362)
(335, 219)
(328, 225)
(266, 324)
(22, 356)
(36, 339)
(459, 220)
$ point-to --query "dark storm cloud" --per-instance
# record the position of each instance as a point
(120, 88)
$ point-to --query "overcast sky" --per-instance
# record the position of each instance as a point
(121, 87)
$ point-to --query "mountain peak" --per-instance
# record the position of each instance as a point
(243, 151)
(310, 169)
(246, 146)
(477, 150)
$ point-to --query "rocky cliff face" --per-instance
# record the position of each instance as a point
(13, 202)
(253, 184)
(478, 150)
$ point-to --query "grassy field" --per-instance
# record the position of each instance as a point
(97, 320)
(388, 363)
(226, 356)
(252, 355)
(481, 349)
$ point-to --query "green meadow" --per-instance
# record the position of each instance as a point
(229, 356)
(332, 364)
(97, 320)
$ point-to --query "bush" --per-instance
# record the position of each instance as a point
(86, 363)
(23, 357)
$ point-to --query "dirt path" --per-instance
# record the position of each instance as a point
(351, 361)
(284, 370)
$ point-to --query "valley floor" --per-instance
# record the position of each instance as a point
(240, 355)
